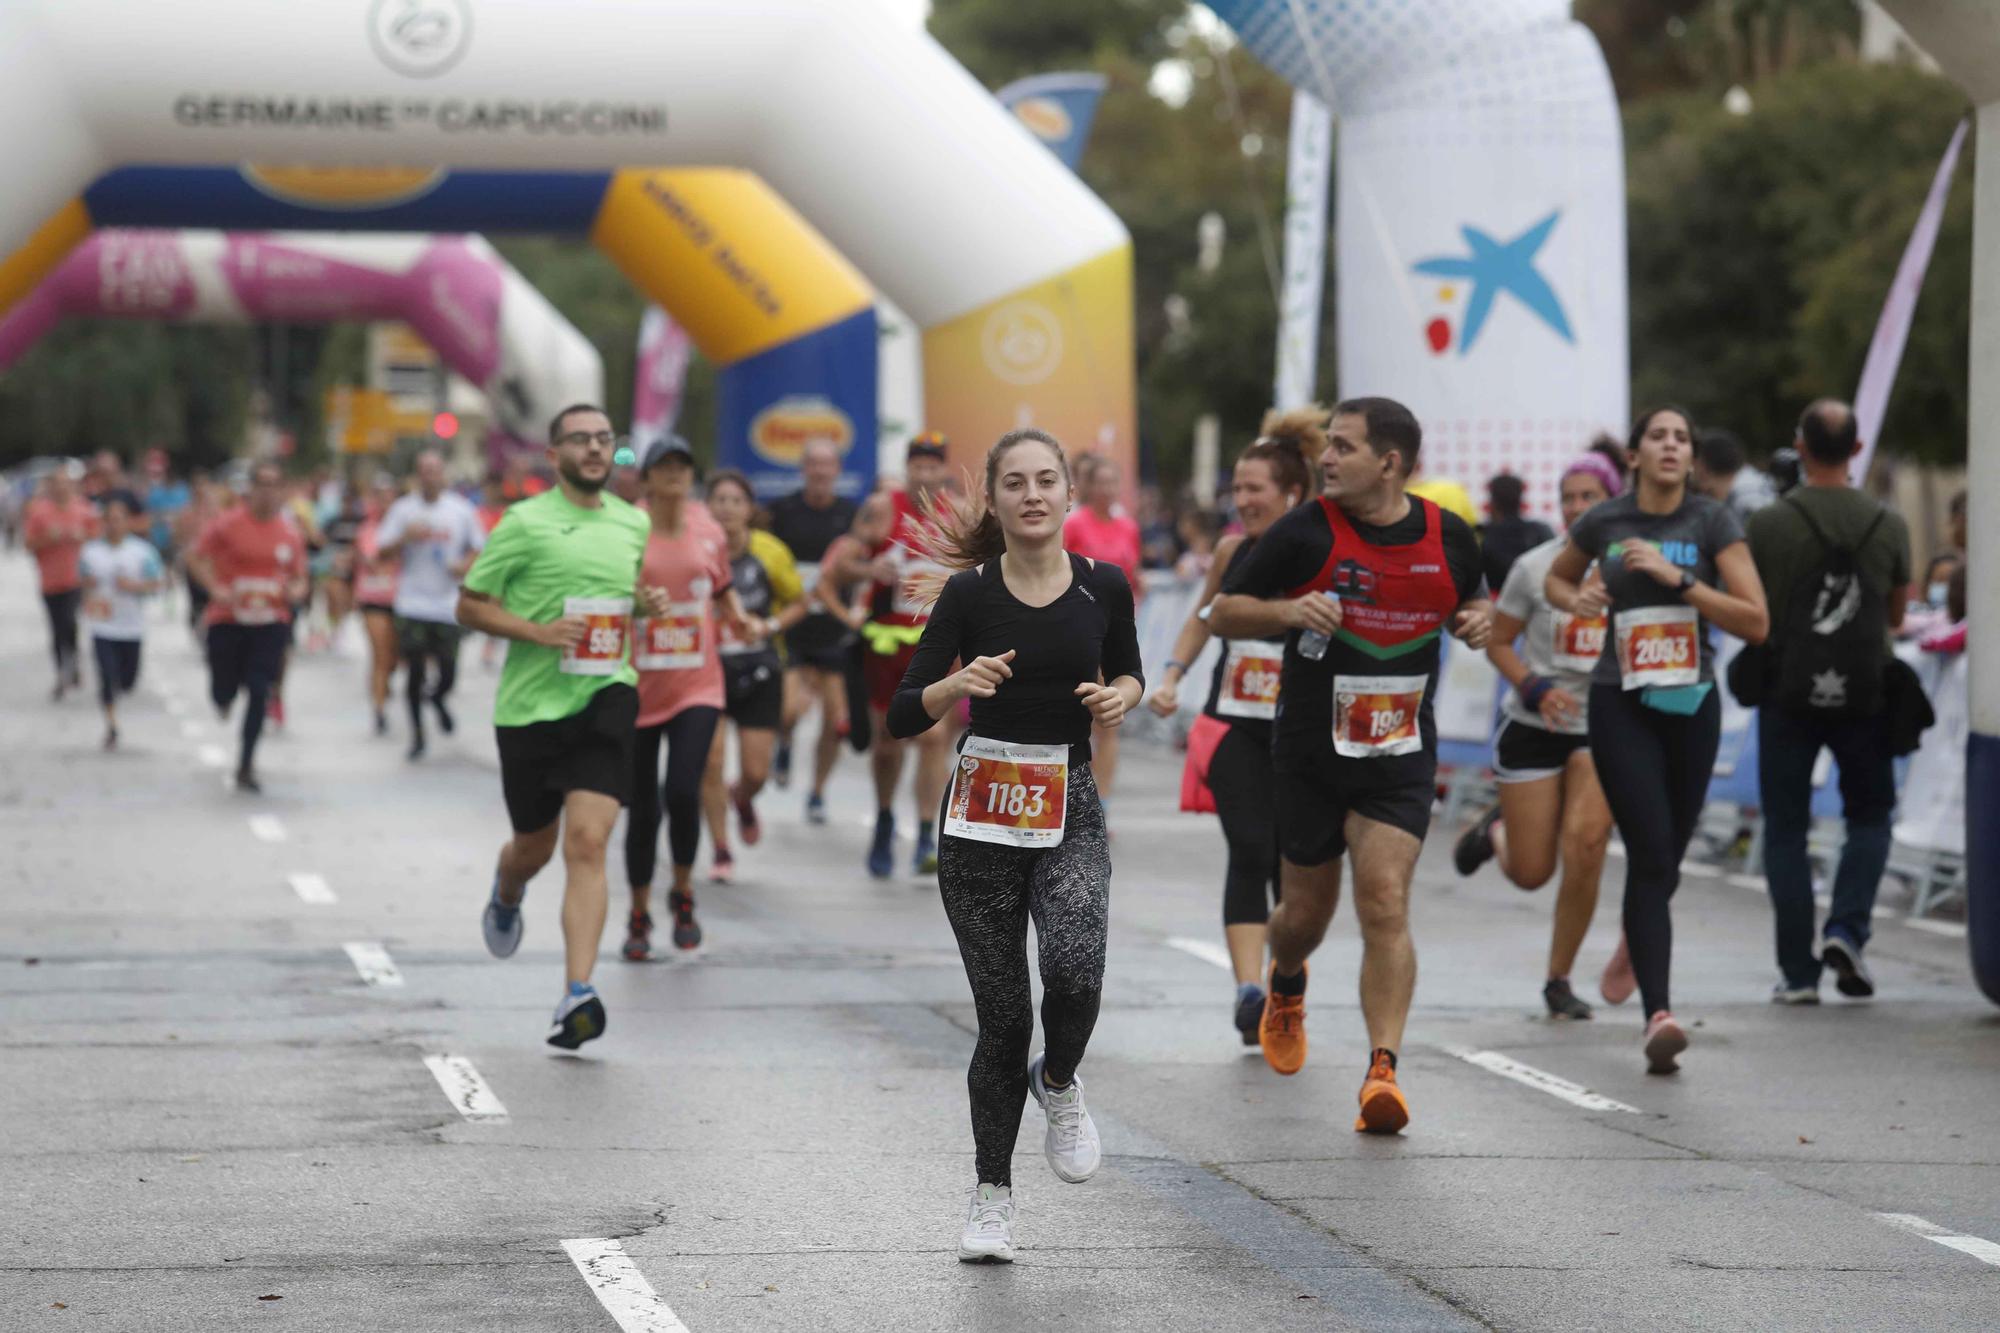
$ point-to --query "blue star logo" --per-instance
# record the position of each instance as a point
(1502, 266)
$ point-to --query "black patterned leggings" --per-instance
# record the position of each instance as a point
(989, 894)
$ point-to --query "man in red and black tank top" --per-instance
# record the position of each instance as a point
(889, 641)
(1378, 576)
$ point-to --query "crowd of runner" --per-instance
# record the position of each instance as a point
(662, 628)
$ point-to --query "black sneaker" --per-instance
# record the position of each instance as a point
(579, 1018)
(1249, 1011)
(781, 766)
(446, 721)
(1850, 974)
(687, 931)
(416, 747)
(1475, 846)
(381, 724)
(638, 937)
(246, 781)
(1562, 1001)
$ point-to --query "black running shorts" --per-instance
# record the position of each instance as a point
(1315, 799)
(1526, 754)
(543, 762)
(754, 691)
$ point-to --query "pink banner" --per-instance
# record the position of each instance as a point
(660, 375)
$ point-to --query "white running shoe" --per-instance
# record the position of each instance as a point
(989, 1227)
(1071, 1142)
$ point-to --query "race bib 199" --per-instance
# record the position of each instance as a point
(1377, 716)
(1014, 795)
(601, 651)
(671, 642)
(1658, 646)
(1578, 641)
(1250, 674)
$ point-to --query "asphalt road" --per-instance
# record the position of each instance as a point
(214, 1120)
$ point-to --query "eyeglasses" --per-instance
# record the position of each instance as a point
(603, 439)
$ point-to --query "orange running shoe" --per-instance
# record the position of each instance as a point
(1384, 1110)
(1282, 1029)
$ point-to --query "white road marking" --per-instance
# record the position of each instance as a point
(1541, 1080)
(465, 1087)
(1978, 1247)
(1754, 883)
(268, 828)
(621, 1288)
(212, 756)
(372, 961)
(1951, 929)
(1700, 869)
(313, 889)
(174, 706)
(190, 729)
(1206, 950)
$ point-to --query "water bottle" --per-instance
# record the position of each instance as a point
(1312, 644)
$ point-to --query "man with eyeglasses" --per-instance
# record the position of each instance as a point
(558, 579)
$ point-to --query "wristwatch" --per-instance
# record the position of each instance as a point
(1688, 581)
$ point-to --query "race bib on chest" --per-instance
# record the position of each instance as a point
(808, 576)
(601, 651)
(256, 601)
(1377, 716)
(97, 608)
(902, 601)
(1658, 645)
(671, 642)
(1578, 641)
(1013, 795)
(1250, 680)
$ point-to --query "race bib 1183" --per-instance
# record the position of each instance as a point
(1013, 795)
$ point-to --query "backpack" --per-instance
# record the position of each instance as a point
(1830, 646)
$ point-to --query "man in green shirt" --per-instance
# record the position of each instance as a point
(558, 579)
(1793, 563)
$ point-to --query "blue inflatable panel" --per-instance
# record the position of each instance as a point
(246, 199)
(822, 384)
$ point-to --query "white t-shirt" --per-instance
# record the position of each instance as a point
(1524, 599)
(428, 589)
(108, 612)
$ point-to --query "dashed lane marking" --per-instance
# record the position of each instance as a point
(314, 889)
(1206, 950)
(621, 1288)
(212, 756)
(1950, 929)
(1540, 1080)
(465, 1088)
(1977, 1246)
(372, 961)
(190, 729)
(267, 828)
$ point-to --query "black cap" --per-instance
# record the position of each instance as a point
(667, 446)
(930, 444)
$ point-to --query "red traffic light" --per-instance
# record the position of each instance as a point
(445, 425)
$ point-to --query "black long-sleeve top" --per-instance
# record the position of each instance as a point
(1087, 631)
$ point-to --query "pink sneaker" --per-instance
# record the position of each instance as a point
(1618, 983)
(724, 867)
(1665, 1039)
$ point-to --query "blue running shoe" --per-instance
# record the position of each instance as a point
(502, 925)
(925, 861)
(882, 852)
(815, 809)
(579, 1018)
(1249, 1011)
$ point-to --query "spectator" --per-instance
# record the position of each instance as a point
(1836, 563)
(1722, 473)
(1158, 545)
(1199, 530)
(1955, 526)
(1508, 535)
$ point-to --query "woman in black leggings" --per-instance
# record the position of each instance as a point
(1228, 767)
(1049, 647)
(1671, 562)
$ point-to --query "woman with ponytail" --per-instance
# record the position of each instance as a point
(1229, 749)
(1050, 648)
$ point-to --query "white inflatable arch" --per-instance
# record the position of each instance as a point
(1480, 215)
(558, 115)
(484, 320)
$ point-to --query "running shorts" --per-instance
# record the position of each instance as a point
(1525, 753)
(543, 762)
(754, 693)
(1314, 801)
(819, 641)
(884, 672)
(427, 638)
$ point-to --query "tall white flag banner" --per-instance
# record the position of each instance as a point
(1308, 165)
(658, 375)
(1892, 330)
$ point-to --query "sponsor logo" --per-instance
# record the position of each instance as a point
(1022, 342)
(1353, 582)
(1491, 268)
(420, 37)
(781, 431)
(336, 188)
(1426, 569)
(1046, 118)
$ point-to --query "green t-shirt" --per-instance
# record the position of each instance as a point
(1787, 553)
(545, 552)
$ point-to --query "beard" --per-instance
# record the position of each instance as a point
(574, 475)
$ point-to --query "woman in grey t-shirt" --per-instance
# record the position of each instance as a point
(1671, 562)
(1550, 802)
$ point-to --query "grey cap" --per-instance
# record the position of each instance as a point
(667, 446)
